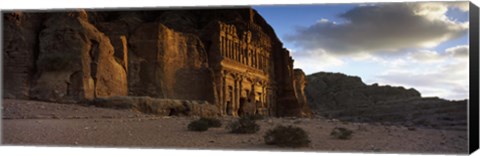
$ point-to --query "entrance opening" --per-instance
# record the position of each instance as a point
(230, 101)
(242, 104)
(257, 107)
(229, 108)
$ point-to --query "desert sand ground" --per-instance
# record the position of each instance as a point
(50, 124)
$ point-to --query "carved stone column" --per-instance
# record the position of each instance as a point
(232, 48)
(264, 62)
(236, 100)
(240, 90)
(254, 58)
(250, 57)
(223, 93)
(239, 49)
(235, 51)
(220, 41)
(228, 46)
(254, 55)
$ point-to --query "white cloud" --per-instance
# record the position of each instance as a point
(432, 73)
(313, 61)
(390, 43)
(458, 51)
(323, 20)
(383, 28)
(426, 56)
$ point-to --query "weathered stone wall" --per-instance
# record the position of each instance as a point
(75, 61)
(169, 64)
(287, 101)
(117, 33)
(300, 82)
(20, 47)
(176, 54)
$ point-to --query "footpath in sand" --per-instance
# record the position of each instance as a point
(33, 123)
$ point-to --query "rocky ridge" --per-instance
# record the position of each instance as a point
(337, 95)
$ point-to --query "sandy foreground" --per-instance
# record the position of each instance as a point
(50, 124)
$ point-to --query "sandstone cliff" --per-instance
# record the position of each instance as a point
(336, 95)
(83, 55)
(300, 81)
(75, 61)
(20, 48)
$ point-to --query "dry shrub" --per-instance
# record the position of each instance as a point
(212, 122)
(341, 133)
(203, 124)
(198, 125)
(289, 136)
(244, 125)
(254, 117)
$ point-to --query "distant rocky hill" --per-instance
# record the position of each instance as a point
(336, 95)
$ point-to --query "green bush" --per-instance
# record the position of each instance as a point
(289, 136)
(212, 122)
(244, 125)
(341, 133)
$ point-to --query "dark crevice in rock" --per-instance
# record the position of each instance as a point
(93, 64)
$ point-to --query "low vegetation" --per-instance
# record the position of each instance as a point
(198, 125)
(287, 136)
(244, 125)
(341, 133)
(254, 117)
(212, 122)
(203, 124)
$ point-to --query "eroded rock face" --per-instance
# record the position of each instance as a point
(228, 57)
(168, 64)
(347, 98)
(300, 83)
(76, 61)
(117, 32)
(19, 52)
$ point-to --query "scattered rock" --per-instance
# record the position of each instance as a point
(374, 149)
(162, 107)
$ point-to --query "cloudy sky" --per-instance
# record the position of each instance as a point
(416, 45)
